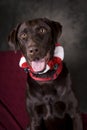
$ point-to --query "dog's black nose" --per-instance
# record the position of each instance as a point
(33, 50)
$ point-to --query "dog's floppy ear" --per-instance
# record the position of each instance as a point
(56, 28)
(12, 38)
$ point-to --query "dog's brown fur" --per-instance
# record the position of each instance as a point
(51, 105)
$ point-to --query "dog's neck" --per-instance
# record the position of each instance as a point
(52, 70)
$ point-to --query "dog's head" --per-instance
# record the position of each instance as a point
(36, 39)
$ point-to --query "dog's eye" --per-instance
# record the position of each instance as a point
(24, 36)
(42, 30)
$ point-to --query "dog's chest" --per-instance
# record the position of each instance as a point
(49, 102)
(47, 93)
(53, 92)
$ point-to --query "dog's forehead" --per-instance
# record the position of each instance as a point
(32, 24)
(36, 22)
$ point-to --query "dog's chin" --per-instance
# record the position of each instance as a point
(39, 65)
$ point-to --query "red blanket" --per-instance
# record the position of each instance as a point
(13, 115)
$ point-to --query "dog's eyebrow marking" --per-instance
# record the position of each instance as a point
(22, 27)
(25, 30)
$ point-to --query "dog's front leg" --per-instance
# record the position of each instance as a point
(77, 122)
(74, 111)
(35, 124)
(35, 119)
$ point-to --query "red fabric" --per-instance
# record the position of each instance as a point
(13, 115)
(12, 93)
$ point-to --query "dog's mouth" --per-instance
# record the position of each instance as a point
(39, 65)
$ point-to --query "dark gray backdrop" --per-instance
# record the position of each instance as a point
(72, 14)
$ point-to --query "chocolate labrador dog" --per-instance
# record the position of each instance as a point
(50, 101)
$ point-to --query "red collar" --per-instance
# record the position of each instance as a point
(52, 74)
(48, 76)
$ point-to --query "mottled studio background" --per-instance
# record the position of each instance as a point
(72, 14)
